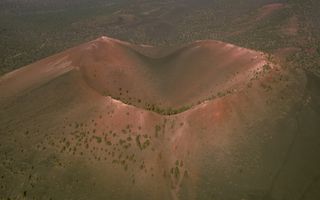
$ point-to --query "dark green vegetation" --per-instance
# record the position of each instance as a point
(31, 30)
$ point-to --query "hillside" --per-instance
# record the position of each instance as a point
(103, 120)
(150, 77)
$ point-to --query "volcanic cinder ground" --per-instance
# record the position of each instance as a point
(112, 120)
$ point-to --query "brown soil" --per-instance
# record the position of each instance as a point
(62, 124)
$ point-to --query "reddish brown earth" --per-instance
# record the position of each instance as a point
(269, 9)
(149, 77)
(249, 22)
(291, 28)
(65, 136)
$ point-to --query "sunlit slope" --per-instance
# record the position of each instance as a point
(63, 135)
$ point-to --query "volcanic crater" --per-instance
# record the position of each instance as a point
(165, 80)
(114, 120)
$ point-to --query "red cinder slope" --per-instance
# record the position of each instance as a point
(63, 134)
